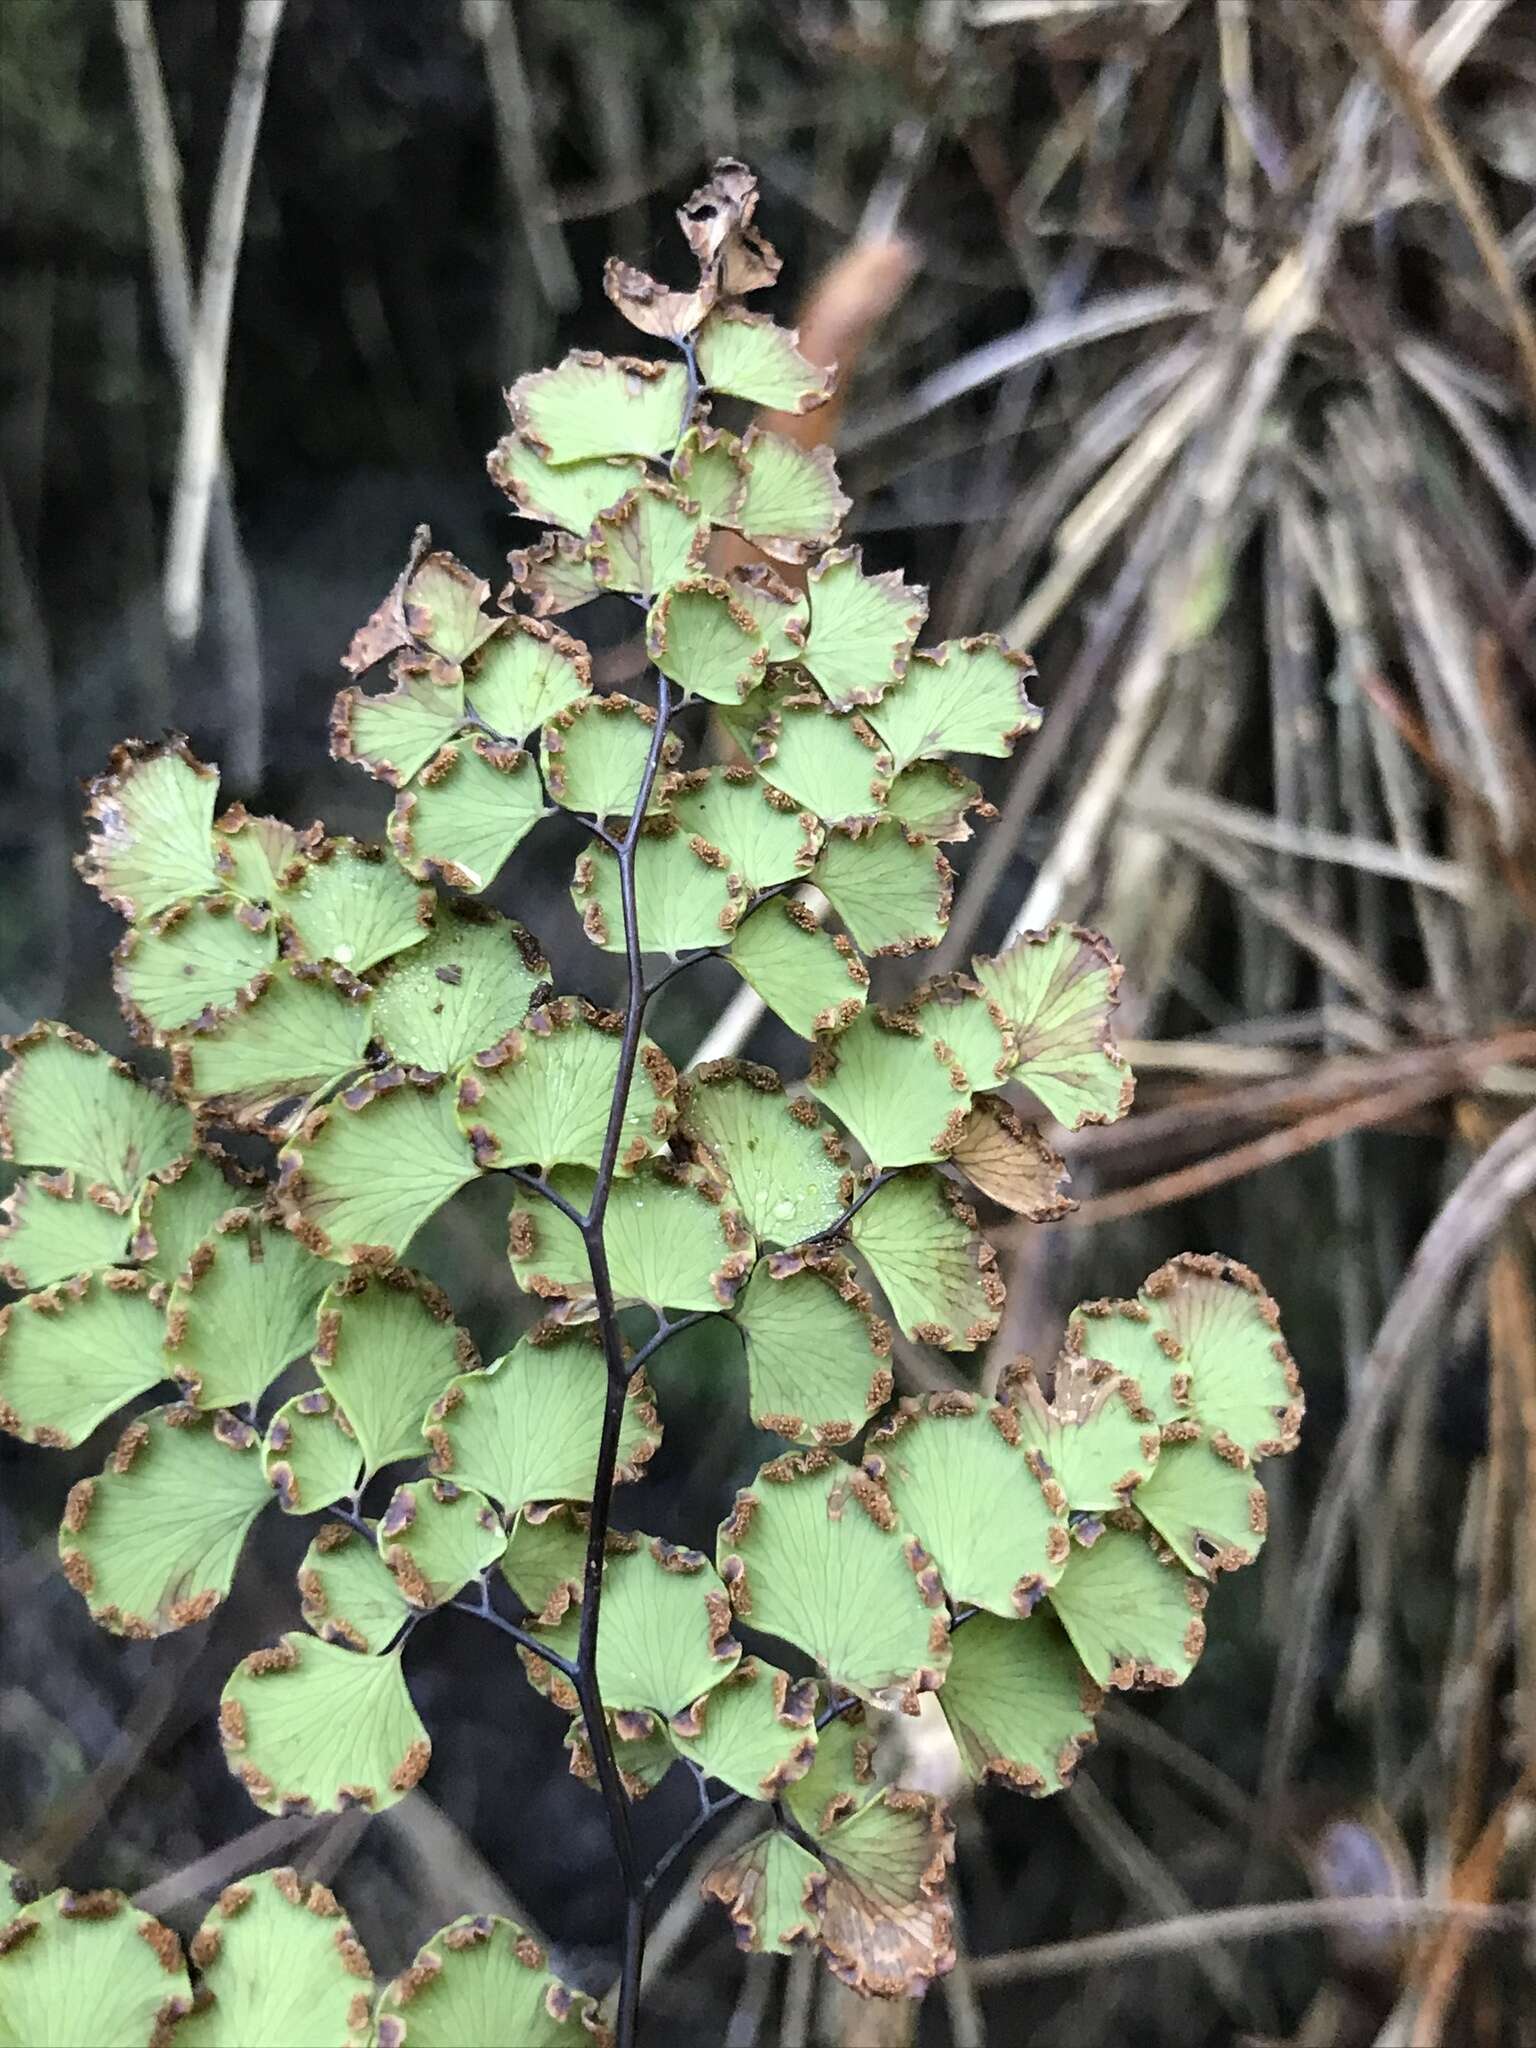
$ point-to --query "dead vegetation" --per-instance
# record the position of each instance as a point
(1194, 352)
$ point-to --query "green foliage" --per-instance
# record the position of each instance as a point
(1018, 1702)
(966, 697)
(756, 1732)
(74, 1353)
(191, 963)
(861, 629)
(347, 1593)
(890, 891)
(1202, 1340)
(150, 819)
(811, 1525)
(770, 1888)
(387, 1348)
(592, 405)
(664, 1634)
(776, 793)
(241, 1310)
(786, 1172)
(936, 1270)
(52, 1233)
(701, 635)
(527, 1428)
(817, 1355)
(276, 1964)
(933, 801)
(459, 993)
(1055, 991)
(359, 1178)
(672, 1244)
(814, 980)
(596, 753)
(395, 734)
(152, 1542)
(952, 1012)
(765, 839)
(435, 1536)
(352, 907)
(541, 1096)
(480, 1982)
(895, 1089)
(747, 356)
(174, 1215)
(960, 1479)
(85, 1966)
(651, 538)
(830, 766)
(65, 1104)
(686, 894)
(314, 1727)
(1210, 1510)
(310, 1453)
(526, 676)
(470, 807)
(545, 1553)
(294, 1037)
(792, 503)
(280, 1967)
(1131, 1610)
(1093, 1433)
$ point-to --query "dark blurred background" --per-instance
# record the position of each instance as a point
(1187, 342)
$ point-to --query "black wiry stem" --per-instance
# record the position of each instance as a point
(711, 1810)
(654, 988)
(537, 1185)
(482, 1610)
(664, 1333)
(620, 1370)
(836, 1229)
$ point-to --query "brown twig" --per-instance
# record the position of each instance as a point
(1188, 1182)
(1504, 1175)
(1472, 1887)
(1404, 83)
(1236, 1923)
